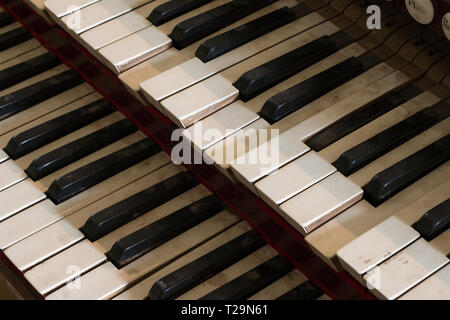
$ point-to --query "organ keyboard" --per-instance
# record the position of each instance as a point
(359, 118)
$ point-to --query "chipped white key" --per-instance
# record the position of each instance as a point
(18, 197)
(60, 8)
(436, 287)
(293, 178)
(405, 270)
(10, 174)
(376, 245)
(321, 202)
(194, 70)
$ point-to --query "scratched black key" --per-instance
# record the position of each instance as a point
(97, 171)
(360, 117)
(41, 135)
(435, 221)
(27, 69)
(204, 24)
(25, 98)
(392, 180)
(296, 97)
(249, 283)
(304, 291)
(77, 149)
(173, 9)
(376, 146)
(155, 234)
(128, 209)
(14, 37)
(225, 42)
(5, 19)
(188, 276)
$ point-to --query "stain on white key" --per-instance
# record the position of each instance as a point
(405, 270)
(376, 245)
(436, 287)
(10, 174)
(18, 197)
(321, 202)
(294, 178)
(60, 8)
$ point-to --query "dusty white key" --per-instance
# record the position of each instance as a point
(10, 174)
(60, 8)
(376, 245)
(405, 269)
(436, 287)
(107, 281)
(207, 96)
(293, 178)
(194, 70)
(99, 13)
(321, 202)
(267, 157)
(64, 267)
(224, 152)
(118, 28)
(280, 287)
(140, 46)
(3, 156)
(141, 290)
(18, 197)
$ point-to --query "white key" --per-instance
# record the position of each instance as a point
(18, 50)
(60, 8)
(18, 197)
(23, 57)
(321, 202)
(251, 167)
(436, 287)
(406, 269)
(118, 28)
(280, 287)
(11, 174)
(194, 70)
(98, 13)
(293, 178)
(47, 241)
(141, 290)
(3, 156)
(107, 281)
(376, 245)
(207, 96)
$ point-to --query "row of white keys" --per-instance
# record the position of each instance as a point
(73, 249)
(409, 267)
(171, 58)
(208, 96)
(341, 230)
(194, 70)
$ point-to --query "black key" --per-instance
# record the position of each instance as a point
(25, 98)
(305, 291)
(173, 9)
(435, 221)
(262, 78)
(253, 281)
(360, 117)
(27, 69)
(204, 24)
(5, 19)
(187, 277)
(75, 150)
(37, 137)
(13, 38)
(95, 172)
(373, 148)
(155, 234)
(126, 210)
(392, 180)
(296, 97)
(225, 42)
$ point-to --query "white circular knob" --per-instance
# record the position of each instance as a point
(446, 25)
(421, 10)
